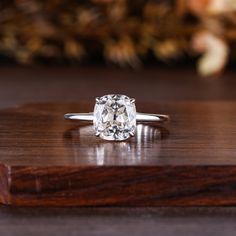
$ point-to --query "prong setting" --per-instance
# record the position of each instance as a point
(132, 100)
(132, 133)
(97, 99)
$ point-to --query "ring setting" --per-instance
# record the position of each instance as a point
(115, 117)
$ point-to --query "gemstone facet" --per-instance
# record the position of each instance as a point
(115, 117)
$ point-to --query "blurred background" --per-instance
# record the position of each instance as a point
(120, 33)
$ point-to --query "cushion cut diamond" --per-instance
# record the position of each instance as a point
(115, 117)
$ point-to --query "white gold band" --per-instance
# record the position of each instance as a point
(140, 117)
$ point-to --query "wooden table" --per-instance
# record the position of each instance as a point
(21, 85)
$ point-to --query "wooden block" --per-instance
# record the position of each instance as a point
(47, 161)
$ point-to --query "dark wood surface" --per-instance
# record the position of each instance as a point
(19, 86)
(49, 161)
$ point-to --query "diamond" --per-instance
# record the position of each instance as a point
(115, 117)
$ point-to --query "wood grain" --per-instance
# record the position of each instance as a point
(47, 161)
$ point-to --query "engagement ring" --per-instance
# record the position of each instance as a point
(115, 117)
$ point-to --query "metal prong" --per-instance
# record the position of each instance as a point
(132, 133)
(97, 134)
(132, 100)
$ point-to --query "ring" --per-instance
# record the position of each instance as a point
(115, 117)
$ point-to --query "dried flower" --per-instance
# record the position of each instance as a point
(73, 49)
(214, 53)
(117, 10)
(168, 49)
(122, 52)
(216, 7)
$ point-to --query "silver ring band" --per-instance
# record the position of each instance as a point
(140, 117)
(114, 117)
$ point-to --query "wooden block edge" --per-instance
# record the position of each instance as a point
(118, 186)
(4, 184)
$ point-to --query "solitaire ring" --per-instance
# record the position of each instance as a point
(115, 117)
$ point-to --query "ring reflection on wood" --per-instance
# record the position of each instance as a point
(114, 153)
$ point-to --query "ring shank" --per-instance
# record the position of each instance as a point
(79, 116)
(140, 117)
(144, 117)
